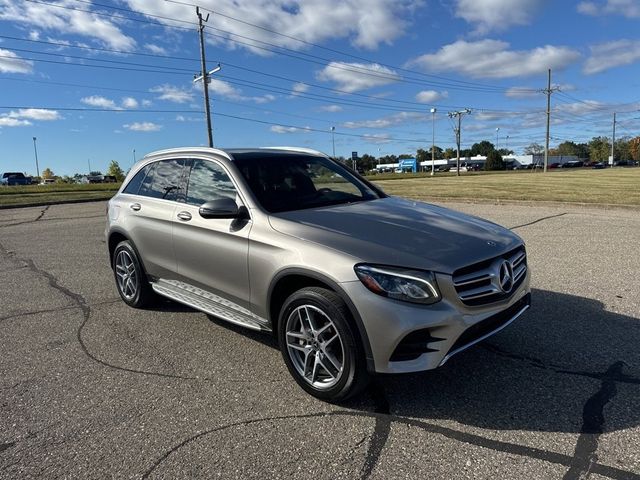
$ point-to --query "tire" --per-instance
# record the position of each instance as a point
(319, 345)
(131, 279)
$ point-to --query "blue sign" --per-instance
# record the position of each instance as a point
(354, 155)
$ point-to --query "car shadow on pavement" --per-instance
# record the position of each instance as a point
(558, 368)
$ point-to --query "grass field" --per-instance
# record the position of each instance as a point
(43, 194)
(617, 186)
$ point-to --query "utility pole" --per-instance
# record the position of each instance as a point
(89, 162)
(433, 141)
(459, 115)
(204, 75)
(333, 141)
(613, 139)
(35, 149)
(548, 91)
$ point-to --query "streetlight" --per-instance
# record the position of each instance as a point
(134, 156)
(507, 147)
(433, 140)
(497, 131)
(35, 149)
(333, 140)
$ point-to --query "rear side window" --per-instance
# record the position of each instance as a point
(163, 181)
(134, 184)
(208, 181)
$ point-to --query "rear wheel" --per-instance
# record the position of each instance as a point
(319, 345)
(130, 277)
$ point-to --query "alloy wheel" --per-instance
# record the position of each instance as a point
(126, 275)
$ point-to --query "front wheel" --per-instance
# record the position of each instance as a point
(319, 346)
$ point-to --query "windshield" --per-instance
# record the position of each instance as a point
(284, 182)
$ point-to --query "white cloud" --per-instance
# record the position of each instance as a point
(498, 15)
(35, 114)
(143, 127)
(385, 122)
(331, 108)
(282, 129)
(67, 21)
(171, 93)
(493, 59)
(129, 102)
(627, 8)
(352, 77)
(147, 103)
(367, 23)
(522, 92)
(99, 102)
(378, 138)
(180, 118)
(430, 96)
(612, 54)
(299, 87)
(155, 49)
(13, 122)
(581, 108)
(22, 117)
(12, 63)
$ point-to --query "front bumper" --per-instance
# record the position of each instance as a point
(443, 329)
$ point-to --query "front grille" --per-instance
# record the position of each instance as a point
(486, 282)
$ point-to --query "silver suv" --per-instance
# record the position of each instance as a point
(350, 280)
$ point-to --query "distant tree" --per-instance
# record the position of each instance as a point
(47, 173)
(567, 148)
(404, 156)
(623, 149)
(533, 148)
(599, 149)
(504, 151)
(77, 177)
(95, 173)
(465, 152)
(115, 170)
(483, 148)
(634, 146)
(367, 162)
(494, 161)
(65, 179)
(389, 159)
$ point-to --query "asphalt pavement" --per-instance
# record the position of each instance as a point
(90, 388)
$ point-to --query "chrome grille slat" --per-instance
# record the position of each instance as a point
(481, 286)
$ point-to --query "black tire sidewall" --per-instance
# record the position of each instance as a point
(139, 299)
(335, 309)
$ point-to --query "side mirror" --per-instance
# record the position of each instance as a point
(221, 208)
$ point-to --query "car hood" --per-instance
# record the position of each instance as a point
(395, 231)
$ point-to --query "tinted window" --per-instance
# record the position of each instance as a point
(134, 184)
(208, 181)
(163, 180)
(283, 182)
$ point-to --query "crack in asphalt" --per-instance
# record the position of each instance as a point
(593, 425)
(52, 310)
(42, 212)
(81, 303)
(381, 430)
(5, 446)
(539, 220)
(616, 376)
(464, 437)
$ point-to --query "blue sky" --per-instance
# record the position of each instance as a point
(94, 81)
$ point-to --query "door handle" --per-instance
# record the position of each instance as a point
(184, 216)
(135, 206)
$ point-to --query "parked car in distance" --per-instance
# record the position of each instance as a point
(351, 281)
(15, 178)
(443, 168)
(573, 164)
(599, 165)
(48, 181)
(555, 165)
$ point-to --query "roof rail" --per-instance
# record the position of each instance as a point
(188, 150)
(296, 149)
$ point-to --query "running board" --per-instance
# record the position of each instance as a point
(209, 303)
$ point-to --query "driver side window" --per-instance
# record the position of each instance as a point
(208, 181)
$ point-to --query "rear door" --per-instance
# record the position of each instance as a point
(151, 200)
(212, 254)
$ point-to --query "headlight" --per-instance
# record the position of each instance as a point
(415, 286)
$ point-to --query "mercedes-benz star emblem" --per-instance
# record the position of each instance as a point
(505, 276)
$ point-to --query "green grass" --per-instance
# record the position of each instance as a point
(618, 186)
(43, 194)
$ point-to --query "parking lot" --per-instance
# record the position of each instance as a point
(90, 388)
